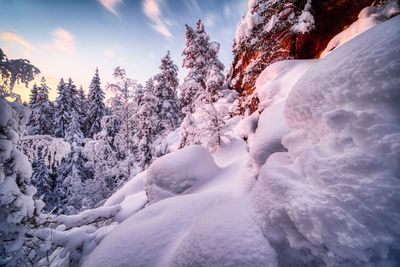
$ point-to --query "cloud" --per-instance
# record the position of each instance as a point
(63, 41)
(108, 53)
(152, 10)
(111, 5)
(15, 38)
(210, 20)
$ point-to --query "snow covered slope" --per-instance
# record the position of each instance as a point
(330, 197)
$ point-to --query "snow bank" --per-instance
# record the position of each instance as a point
(333, 198)
(368, 18)
(275, 82)
(171, 175)
(131, 197)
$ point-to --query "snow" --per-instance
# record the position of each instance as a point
(271, 23)
(87, 216)
(131, 197)
(305, 21)
(275, 82)
(318, 187)
(169, 175)
(368, 18)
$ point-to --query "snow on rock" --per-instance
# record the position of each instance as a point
(169, 175)
(368, 18)
(333, 199)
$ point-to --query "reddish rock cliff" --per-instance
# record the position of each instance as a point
(290, 29)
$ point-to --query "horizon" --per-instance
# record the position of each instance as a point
(71, 39)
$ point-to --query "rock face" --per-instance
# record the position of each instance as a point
(288, 29)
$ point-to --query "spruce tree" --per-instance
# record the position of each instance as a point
(72, 173)
(146, 127)
(96, 108)
(166, 100)
(63, 110)
(42, 181)
(41, 118)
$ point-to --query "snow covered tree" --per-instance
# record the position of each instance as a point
(108, 172)
(215, 77)
(74, 133)
(43, 182)
(72, 173)
(96, 108)
(146, 126)
(41, 118)
(201, 60)
(190, 86)
(18, 209)
(14, 71)
(167, 104)
(63, 110)
(188, 130)
(208, 130)
(33, 96)
(124, 105)
(72, 94)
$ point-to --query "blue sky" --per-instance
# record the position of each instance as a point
(72, 38)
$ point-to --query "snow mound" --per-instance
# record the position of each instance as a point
(230, 238)
(131, 197)
(333, 199)
(170, 175)
(275, 82)
(368, 18)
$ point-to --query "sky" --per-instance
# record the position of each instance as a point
(72, 38)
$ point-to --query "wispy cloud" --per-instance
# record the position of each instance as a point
(152, 10)
(111, 5)
(15, 38)
(63, 41)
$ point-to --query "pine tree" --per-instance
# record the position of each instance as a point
(63, 110)
(72, 173)
(42, 181)
(190, 87)
(200, 57)
(146, 127)
(74, 133)
(215, 77)
(41, 118)
(73, 100)
(97, 108)
(167, 104)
